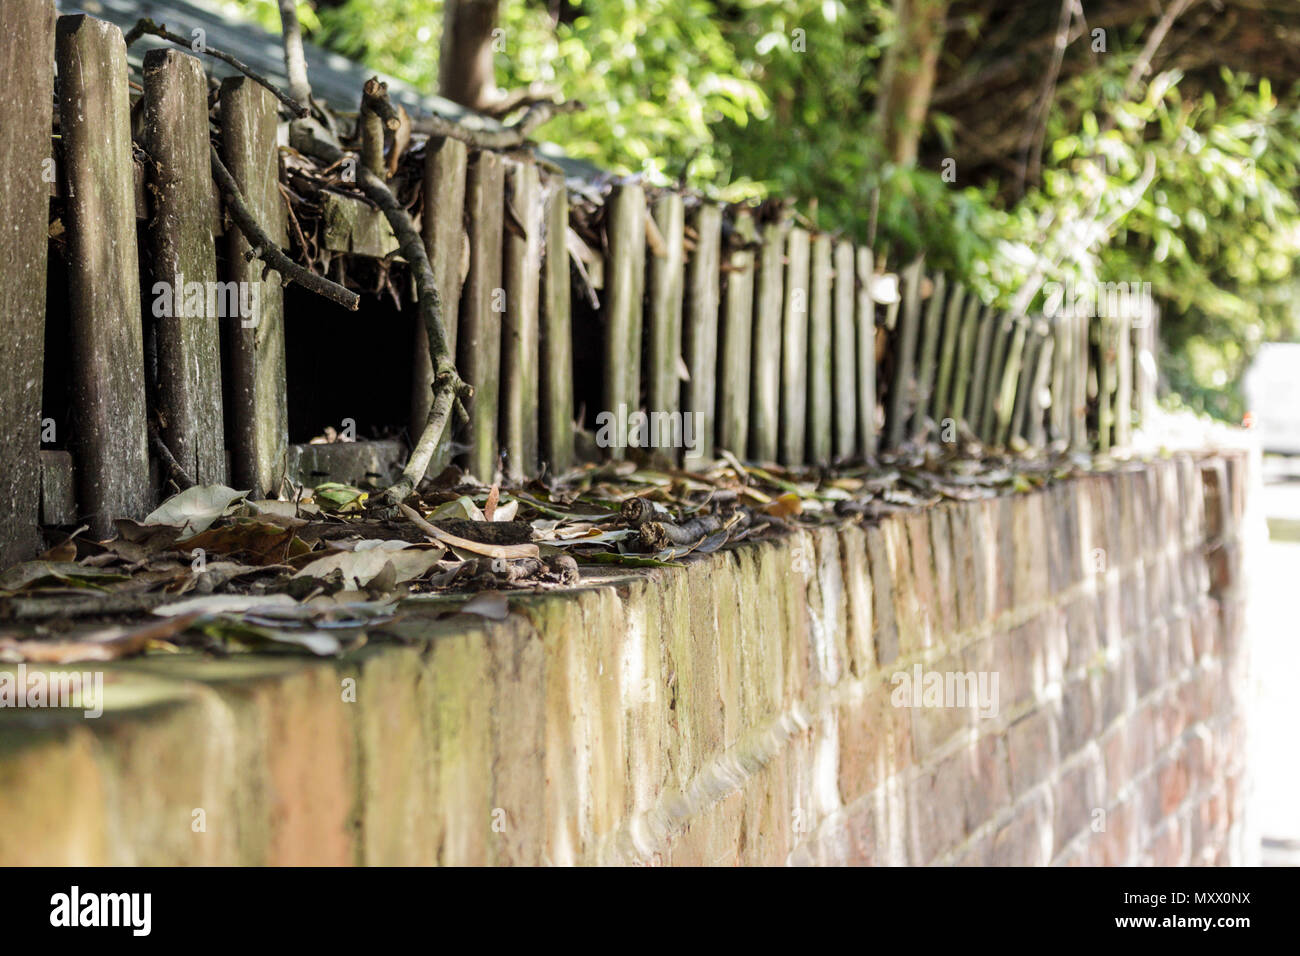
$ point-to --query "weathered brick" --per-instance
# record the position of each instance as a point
(923, 599)
(856, 574)
(936, 814)
(1080, 713)
(1119, 837)
(945, 579)
(1026, 840)
(875, 740)
(882, 597)
(1080, 794)
(1004, 574)
(1030, 538)
(985, 763)
(965, 587)
(1034, 749)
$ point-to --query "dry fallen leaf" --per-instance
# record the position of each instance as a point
(490, 604)
(194, 509)
(785, 506)
(109, 644)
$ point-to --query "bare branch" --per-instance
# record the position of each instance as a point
(508, 138)
(266, 249)
(1032, 155)
(517, 99)
(374, 97)
(174, 469)
(295, 61)
(147, 26)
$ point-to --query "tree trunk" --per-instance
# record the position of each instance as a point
(465, 71)
(909, 76)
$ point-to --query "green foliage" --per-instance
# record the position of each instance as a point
(1216, 233)
(748, 98)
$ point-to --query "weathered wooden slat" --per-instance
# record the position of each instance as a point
(845, 355)
(445, 243)
(902, 392)
(103, 270)
(1035, 429)
(482, 303)
(1058, 384)
(1005, 398)
(1068, 342)
(927, 355)
(1144, 361)
(519, 333)
(58, 497)
(965, 361)
(989, 321)
(556, 399)
(820, 411)
(625, 285)
(737, 336)
(765, 385)
(27, 63)
(794, 349)
(866, 329)
(1021, 404)
(184, 262)
(1104, 330)
(1079, 383)
(941, 404)
(700, 325)
(1003, 334)
(355, 227)
(1124, 376)
(666, 280)
(258, 401)
(142, 204)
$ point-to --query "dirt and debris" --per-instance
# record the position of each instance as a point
(214, 570)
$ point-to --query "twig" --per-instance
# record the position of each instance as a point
(264, 248)
(478, 547)
(449, 389)
(376, 116)
(295, 61)
(174, 467)
(508, 138)
(517, 99)
(147, 26)
(1032, 154)
(1158, 33)
(374, 96)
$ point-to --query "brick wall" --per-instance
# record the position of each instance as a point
(743, 710)
(1111, 612)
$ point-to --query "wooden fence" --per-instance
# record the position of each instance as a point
(770, 335)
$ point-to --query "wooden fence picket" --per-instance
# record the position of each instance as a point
(624, 286)
(111, 452)
(482, 303)
(522, 269)
(765, 386)
(184, 256)
(556, 386)
(738, 319)
(700, 323)
(259, 408)
(27, 63)
(445, 243)
(844, 354)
